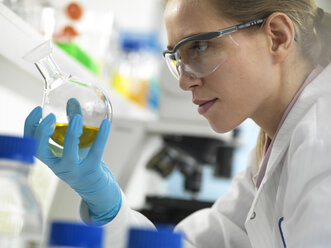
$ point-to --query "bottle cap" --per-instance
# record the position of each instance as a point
(17, 148)
(74, 234)
(147, 238)
(136, 41)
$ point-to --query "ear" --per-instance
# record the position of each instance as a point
(281, 34)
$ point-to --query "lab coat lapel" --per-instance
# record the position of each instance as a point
(309, 95)
(261, 219)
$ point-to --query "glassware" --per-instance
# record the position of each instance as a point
(136, 70)
(94, 104)
(20, 7)
(20, 213)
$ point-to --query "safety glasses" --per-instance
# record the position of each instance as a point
(200, 55)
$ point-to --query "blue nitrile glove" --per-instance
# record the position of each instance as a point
(89, 177)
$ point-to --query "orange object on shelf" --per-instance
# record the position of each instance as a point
(69, 31)
(74, 11)
(67, 34)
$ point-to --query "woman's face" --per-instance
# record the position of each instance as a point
(242, 84)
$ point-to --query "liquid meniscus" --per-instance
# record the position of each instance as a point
(85, 140)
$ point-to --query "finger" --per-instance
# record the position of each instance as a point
(73, 108)
(42, 133)
(100, 141)
(71, 139)
(83, 152)
(32, 121)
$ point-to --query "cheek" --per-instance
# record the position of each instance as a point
(240, 85)
(248, 73)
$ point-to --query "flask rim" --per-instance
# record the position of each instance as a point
(41, 51)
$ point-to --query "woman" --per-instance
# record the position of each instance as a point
(264, 60)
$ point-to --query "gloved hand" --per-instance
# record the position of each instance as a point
(89, 176)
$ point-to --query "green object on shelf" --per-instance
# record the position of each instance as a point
(81, 56)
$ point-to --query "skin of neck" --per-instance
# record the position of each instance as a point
(291, 75)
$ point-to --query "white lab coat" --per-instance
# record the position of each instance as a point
(293, 203)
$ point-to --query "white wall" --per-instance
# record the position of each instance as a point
(326, 4)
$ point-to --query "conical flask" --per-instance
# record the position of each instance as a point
(60, 89)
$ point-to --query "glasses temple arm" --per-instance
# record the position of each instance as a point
(241, 26)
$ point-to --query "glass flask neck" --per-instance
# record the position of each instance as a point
(48, 69)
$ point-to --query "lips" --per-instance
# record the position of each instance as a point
(204, 106)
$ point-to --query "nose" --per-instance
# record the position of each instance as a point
(187, 82)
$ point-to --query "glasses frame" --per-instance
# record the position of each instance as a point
(214, 34)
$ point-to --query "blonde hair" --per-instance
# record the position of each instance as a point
(312, 26)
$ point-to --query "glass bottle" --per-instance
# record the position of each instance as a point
(65, 234)
(20, 214)
(93, 104)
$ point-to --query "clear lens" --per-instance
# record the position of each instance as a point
(200, 58)
(172, 64)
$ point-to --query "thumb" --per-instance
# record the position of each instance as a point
(32, 122)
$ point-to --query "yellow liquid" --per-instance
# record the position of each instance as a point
(85, 140)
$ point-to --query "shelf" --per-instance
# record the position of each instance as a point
(19, 37)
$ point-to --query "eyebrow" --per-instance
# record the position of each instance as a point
(193, 34)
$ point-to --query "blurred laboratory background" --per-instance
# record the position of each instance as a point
(163, 154)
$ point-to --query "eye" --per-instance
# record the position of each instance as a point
(198, 46)
(197, 49)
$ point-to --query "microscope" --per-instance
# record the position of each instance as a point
(188, 155)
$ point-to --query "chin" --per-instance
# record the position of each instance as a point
(221, 128)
